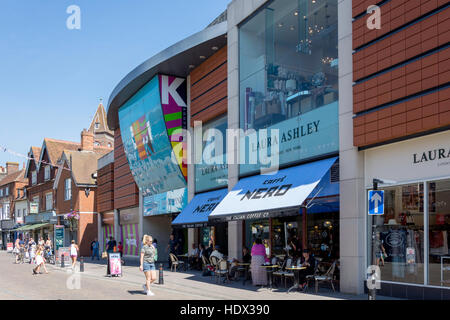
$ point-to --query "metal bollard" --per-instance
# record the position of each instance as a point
(81, 264)
(161, 274)
(62, 261)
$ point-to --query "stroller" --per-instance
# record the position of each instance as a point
(49, 256)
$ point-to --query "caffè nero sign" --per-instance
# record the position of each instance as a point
(421, 158)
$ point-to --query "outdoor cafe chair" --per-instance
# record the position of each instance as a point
(310, 277)
(175, 262)
(221, 270)
(288, 274)
(280, 272)
(327, 277)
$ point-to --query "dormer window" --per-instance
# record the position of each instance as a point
(97, 125)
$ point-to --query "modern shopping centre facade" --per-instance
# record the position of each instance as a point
(342, 105)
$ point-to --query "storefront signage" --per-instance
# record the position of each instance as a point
(59, 237)
(277, 194)
(432, 155)
(115, 265)
(197, 211)
(151, 123)
(9, 247)
(164, 203)
(129, 216)
(303, 137)
(415, 159)
(34, 207)
(7, 224)
(41, 218)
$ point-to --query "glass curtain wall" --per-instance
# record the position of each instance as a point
(288, 73)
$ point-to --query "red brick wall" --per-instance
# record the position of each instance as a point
(401, 78)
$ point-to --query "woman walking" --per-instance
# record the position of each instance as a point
(259, 275)
(148, 255)
(40, 262)
(74, 253)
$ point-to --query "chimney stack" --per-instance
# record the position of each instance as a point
(87, 141)
(12, 167)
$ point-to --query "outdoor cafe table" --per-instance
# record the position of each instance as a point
(270, 269)
(296, 277)
(246, 266)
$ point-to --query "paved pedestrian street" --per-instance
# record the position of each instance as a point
(18, 283)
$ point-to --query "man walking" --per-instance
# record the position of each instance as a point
(95, 249)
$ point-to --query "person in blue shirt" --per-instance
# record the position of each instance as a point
(95, 249)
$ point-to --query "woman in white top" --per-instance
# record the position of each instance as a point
(39, 260)
(74, 253)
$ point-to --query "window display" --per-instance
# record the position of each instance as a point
(399, 235)
(439, 233)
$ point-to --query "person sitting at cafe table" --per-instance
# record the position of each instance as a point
(216, 253)
(309, 262)
(246, 258)
(193, 258)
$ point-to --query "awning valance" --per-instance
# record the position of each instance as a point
(196, 213)
(272, 195)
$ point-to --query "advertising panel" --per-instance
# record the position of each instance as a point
(59, 237)
(115, 265)
(153, 146)
(167, 202)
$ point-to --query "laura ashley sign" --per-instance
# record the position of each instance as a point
(421, 158)
(432, 155)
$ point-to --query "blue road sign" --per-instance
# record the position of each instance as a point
(376, 202)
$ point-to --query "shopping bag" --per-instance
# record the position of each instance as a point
(104, 255)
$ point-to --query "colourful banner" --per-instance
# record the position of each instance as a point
(108, 231)
(130, 239)
(150, 123)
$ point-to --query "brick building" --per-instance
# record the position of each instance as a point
(10, 188)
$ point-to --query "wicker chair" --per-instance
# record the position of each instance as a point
(280, 272)
(175, 262)
(221, 271)
(327, 277)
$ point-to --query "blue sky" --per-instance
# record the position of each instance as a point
(52, 78)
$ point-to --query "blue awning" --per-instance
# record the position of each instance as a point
(273, 195)
(196, 213)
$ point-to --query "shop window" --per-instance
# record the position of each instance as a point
(439, 233)
(288, 75)
(212, 172)
(288, 61)
(398, 245)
